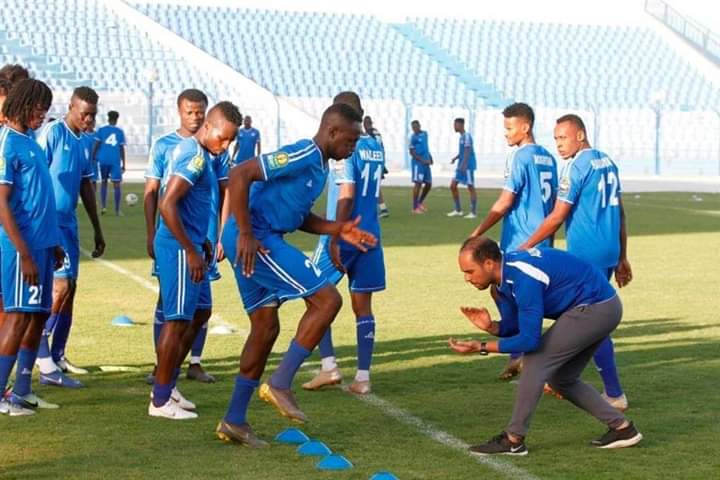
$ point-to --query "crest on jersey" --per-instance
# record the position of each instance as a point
(197, 163)
(564, 185)
(278, 160)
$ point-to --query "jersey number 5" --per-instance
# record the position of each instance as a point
(545, 179)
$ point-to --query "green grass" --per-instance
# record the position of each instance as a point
(668, 351)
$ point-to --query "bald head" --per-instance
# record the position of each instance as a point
(349, 98)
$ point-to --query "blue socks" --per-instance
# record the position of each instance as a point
(117, 192)
(103, 194)
(605, 363)
(237, 410)
(158, 324)
(161, 394)
(60, 336)
(365, 341)
(6, 364)
(173, 382)
(293, 358)
(515, 355)
(199, 342)
(44, 349)
(473, 205)
(23, 372)
(326, 345)
(458, 207)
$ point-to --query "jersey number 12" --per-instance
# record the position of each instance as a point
(608, 184)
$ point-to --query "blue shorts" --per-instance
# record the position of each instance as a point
(70, 243)
(112, 172)
(213, 270)
(365, 270)
(283, 274)
(18, 296)
(421, 173)
(465, 177)
(96, 172)
(181, 297)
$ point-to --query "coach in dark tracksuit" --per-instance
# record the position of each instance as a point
(529, 286)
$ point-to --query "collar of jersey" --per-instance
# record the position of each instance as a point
(12, 129)
(77, 137)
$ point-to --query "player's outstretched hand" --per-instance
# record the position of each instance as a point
(196, 264)
(247, 247)
(464, 347)
(30, 271)
(480, 317)
(219, 252)
(356, 237)
(623, 273)
(59, 254)
(99, 246)
(334, 248)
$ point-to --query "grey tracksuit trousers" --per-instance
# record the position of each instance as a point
(565, 349)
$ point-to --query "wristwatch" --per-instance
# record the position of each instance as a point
(483, 348)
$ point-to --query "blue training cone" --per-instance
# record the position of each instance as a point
(383, 476)
(334, 462)
(122, 321)
(314, 448)
(293, 436)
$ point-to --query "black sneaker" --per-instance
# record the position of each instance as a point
(619, 438)
(500, 444)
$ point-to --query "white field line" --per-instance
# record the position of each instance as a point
(150, 286)
(507, 469)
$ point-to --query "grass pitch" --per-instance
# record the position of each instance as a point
(668, 353)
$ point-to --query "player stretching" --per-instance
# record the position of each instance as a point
(421, 162)
(29, 236)
(465, 172)
(590, 205)
(527, 196)
(110, 153)
(192, 105)
(352, 193)
(270, 271)
(180, 245)
(72, 175)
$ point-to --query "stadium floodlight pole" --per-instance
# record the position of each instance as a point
(657, 99)
(152, 77)
(277, 113)
(717, 112)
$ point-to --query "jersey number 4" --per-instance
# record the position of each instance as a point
(608, 187)
(111, 140)
(366, 177)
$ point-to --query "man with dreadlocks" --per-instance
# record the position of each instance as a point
(72, 174)
(29, 235)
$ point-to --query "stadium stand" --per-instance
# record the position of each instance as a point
(430, 70)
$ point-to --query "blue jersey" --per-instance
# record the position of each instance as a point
(160, 157)
(466, 140)
(364, 169)
(87, 140)
(192, 163)
(220, 165)
(65, 154)
(247, 138)
(543, 283)
(531, 174)
(419, 144)
(111, 138)
(591, 184)
(32, 202)
(294, 177)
